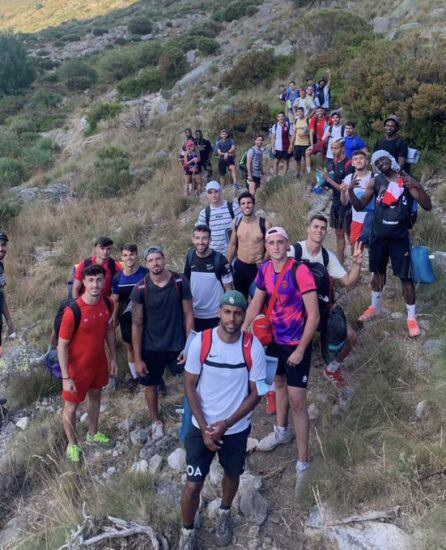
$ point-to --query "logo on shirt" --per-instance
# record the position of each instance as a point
(304, 379)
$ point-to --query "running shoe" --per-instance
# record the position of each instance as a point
(98, 440)
(414, 328)
(301, 481)
(368, 314)
(157, 430)
(74, 453)
(224, 529)
(336, 378)
(274, 439)
(271, 402)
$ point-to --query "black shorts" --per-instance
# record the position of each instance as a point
(244, 276)
(282, 155)
(206, 166)
(223, 165)
(257, 180)
(203, 324)
(297, 376)
(125, 324)
(299, 152)
(189, 172)
(341, 216)
(398, 250)
(156, 362)
(199, 458)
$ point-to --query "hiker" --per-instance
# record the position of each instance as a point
(103, 249)
(291, 95)
(335, 130)
(123, 284)
(247, 244)
(218, 216)
(225, 148)
(318, 141)
(210, 275)
(340, 215)
(393, 143)
(192, 170)
(282, 93)
(306, 102)
(322, 92)
(280, 143)
(300, 140)
(312, 250)
(254, 165)
(162, 318)
(205, 149)
(87, 323)
(4, 310)
(223, 365)
(353, 142)
(393, 191)
(290, 290)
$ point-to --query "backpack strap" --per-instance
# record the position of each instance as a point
(262, 224)
(247, 340)
(237, 223)
(231, 209)
(206, 344)
(178, 281)
(217, 262)
(207, 215)
(87, 262)
(189, 259)
(298, 252)
(112, 266)
(325, 257)
(342, 130)
(74, 306)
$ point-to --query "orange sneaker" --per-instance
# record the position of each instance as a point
(271, 402)
(414, 328)
(336, 378)
(368, 314)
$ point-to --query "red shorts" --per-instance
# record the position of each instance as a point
(319, 147)
(355, 231)
(85, 381)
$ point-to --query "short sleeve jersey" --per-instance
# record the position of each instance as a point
(288, 316)
(224, 378)
(163, 312)
(78, 274)
(123, 285)
(224, 145)
(302, 132)
(334, 267)
(220, 220)
(352, 144)
(318, 126)
(86, 350)
(205, 284)
(396, 147)
(357, 216)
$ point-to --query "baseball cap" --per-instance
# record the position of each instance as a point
(234, 298)
(153, 250)
(213, 185)
(3, 237)
(276, 231)
(103, 241)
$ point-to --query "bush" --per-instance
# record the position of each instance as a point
(9, 143)
(235, 10)
(140, 25)
(116, 64)
(172, 63)
(77, 75)
(148, 53)
(111, 174)
(72, 38)
(10, 105)
(247, 117)
(16, 70)
(149, 80)
(12, 172)
(442, 195)
(210, 29)
(101, 111)
(205, 45)
(44, 99)
(40, 155)
(98, 31)
(9, 209)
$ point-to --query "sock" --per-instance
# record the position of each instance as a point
(302, 466)
(282, 431)
(410, 312)
(376, 301)
(188, 527)
(132, 368)
(333, 366)
(223, 507)
(308, 169)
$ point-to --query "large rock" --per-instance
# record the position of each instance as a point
(25, 194)
(22, 424)
(155, 464)
(177, 460)
(140, 467)
(12, 532)
(440, 259)
(253, 506)
(139, 436)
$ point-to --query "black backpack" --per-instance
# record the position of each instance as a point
(217, 260)
(322, 279)
(262, 224)
(87, 263)
(207, 212)
(72, 304)
(391, 221)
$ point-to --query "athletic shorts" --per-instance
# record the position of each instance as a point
(125, 324)
(84, 381)
(223, 165)
(319, 147)
(156, 362)
(189, 172)
(296, 377)
(204, 324)
(355, 231)
(282, 155)
(231, 454)
(299, 152)
(257, 180)
(341, 217)
(398, 250)
(244, 276)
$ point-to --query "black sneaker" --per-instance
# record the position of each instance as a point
(224, 530)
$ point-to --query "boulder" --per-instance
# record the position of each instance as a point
(212, 508)
(313, 411)
(22, 424)
(440, 259)
(139, 436)
(396, 315)
(25, 194)
(253, 506)
(177, 460)
(15, 529)
(421, 409)
(140, 467)
(155, 463)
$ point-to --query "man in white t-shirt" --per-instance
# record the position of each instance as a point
(333, 132)
(222, 368)
(218, 217)
(313, 251)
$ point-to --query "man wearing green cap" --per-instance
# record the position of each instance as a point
(222, 368)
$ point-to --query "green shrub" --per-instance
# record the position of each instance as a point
(98, 31)
(244, 119)
(12, 172)
(9, 143)
(140, 25)
(172, 63)
(210, 29)
(101, 111)
(9, 209)
(148, 53)
(111, 174)
(40, 155)
(116, 64)
(149, 80)
(204, 44)
(235, 10)
(77, 74)
(10, 105)
(72, 38)
(44, 99)
(48, 64)
(16, 70)
(442, 195)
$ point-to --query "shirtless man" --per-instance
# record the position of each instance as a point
(248, 243)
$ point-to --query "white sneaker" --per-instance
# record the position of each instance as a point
(301, 480)
(157, 430)
(274, 439)
(187, 539)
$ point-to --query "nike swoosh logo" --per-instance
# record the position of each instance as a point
(212, 355)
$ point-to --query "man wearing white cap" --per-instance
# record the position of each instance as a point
(218, 217)
(294, 318)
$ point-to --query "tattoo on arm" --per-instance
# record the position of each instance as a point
(137, 314)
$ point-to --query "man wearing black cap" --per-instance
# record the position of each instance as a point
(103, 249)
(4, 310)
(393, 143)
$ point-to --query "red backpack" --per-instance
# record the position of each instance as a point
(206, 344)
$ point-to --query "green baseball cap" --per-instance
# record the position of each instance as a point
(234, 298)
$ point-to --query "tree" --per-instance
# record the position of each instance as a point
(16, 71)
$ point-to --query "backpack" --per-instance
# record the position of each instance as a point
(207, 212)
(88, 263)
(334, 334)
(391, 221)
(244, 160)
(262, 224)
(217, 260)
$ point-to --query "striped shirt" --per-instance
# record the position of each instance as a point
(220, 220)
